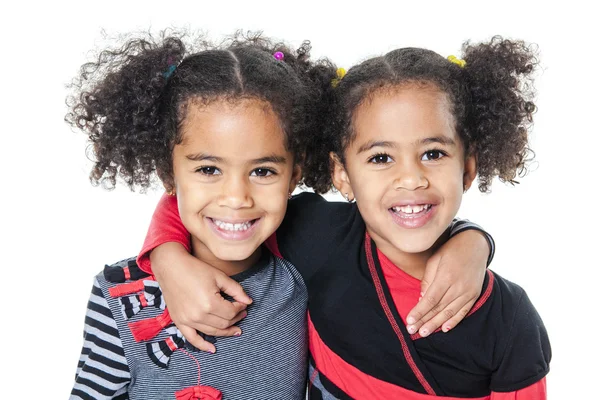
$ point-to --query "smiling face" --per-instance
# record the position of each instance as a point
(232, 175)
(406, 168)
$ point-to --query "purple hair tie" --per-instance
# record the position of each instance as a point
(278, 55)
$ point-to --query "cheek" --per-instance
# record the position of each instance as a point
(451, 184)
(272, 198)
(192, 197)
(369, 184)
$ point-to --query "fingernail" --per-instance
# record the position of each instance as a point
(446, 328)
(420, 297)
(237, 333)
(410, 320)
(212, 351)
(424, 332)
(411, 329)
(422, 294)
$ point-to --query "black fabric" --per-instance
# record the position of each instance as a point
(503, 346)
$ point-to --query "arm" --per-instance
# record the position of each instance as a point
(192, 289)
(102, 371)
(453, 279)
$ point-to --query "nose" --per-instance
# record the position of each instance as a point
(235, 194)
(410, 176)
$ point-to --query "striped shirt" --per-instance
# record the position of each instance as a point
(268, 361)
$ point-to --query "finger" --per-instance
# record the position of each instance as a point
(216, 323)
(211, 331)
(443, 316)
(452, 322)
(222, 308)
(196, 340)
(430, 301)
(431, 270)
(233, 289)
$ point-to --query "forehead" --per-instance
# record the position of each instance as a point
(241, 126)
(403, 113)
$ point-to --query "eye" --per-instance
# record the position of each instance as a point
(209, 171)
(262, 172)
(380, 159)
(432, 155)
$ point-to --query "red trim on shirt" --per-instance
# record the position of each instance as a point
(143, 300)
(128, 288)
(537, 391)
(486, 294)
(171, 344)
(354, 382)
(392, 320)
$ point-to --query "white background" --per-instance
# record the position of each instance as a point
(58, 231)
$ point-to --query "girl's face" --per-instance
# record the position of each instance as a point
(232, 177)
(406, 168)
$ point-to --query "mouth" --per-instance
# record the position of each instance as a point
(412, 216)
(238, 230)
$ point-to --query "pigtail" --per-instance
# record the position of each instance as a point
(320, 141)
(317, 77)
(117, 102)
(499, 76)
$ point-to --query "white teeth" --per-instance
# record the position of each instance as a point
(232, 227)
(412, 209)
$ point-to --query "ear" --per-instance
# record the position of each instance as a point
(167, 181)
(470, 172)
(340, 177)
(296, 176)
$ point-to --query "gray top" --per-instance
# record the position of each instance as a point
(268, 361)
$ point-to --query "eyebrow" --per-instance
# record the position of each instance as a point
(207, 157)
(269, 159)
(375, 143)
(438, 139)
(203, 157)
(445, 140)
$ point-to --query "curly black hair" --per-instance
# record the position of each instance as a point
(132, 100)
(491, 101)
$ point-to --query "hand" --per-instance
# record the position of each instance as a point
(452, 283)
(192, 291)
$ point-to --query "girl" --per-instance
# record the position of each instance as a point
(407, 134)
(241, 107)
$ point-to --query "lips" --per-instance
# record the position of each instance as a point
(412, 216)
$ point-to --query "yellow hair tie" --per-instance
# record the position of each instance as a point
(340, 72)
(453, 59)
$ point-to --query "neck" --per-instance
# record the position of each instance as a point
(412, 263)
(229, 267)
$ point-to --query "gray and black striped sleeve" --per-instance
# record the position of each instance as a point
(461, 225)
(102, 371)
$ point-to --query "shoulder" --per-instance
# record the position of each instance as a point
(314, 229)
(524, 352)
(510, 299)
(124, 285)
(316, 202)
(312, 210)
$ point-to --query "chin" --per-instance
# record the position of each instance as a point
(414, 246)
(235, 253)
